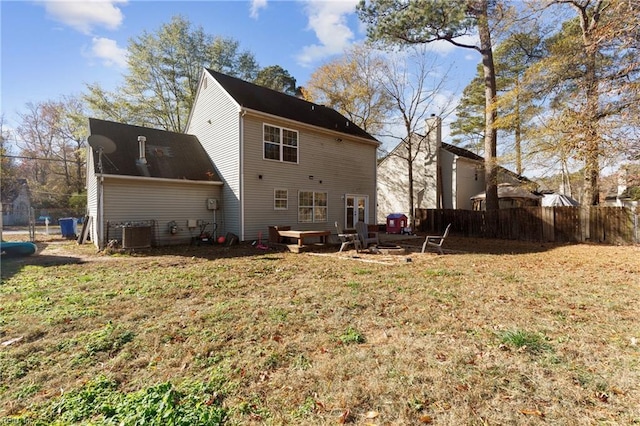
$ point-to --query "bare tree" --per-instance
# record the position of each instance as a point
(402, 22)
(52, 138)
(415, 84)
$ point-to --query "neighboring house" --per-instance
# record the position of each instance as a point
(15, 209)
(283, 160)
(445, 176)
(509, 196)
(148, 178)
(627, 192)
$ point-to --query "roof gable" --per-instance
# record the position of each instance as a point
(169, 155)
(280, 104)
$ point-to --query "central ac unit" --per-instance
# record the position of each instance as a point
(136, 237)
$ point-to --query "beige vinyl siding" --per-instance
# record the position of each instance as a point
(468, 180)
(393, 182)
(135, 200)
(215, 122)
(337, 168)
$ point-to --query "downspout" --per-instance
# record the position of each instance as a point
(241, 115)
(100, 212)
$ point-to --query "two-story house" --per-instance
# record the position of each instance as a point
(283, 160)
(250, 158)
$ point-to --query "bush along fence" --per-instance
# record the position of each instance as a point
(607, 225)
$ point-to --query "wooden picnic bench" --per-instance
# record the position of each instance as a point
(302, 235)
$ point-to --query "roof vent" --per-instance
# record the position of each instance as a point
(141, 150)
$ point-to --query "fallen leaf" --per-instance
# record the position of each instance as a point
(344, 417)
(12, 341)
(532, 413)
(462, 388)
(617, 391)
(372, 414)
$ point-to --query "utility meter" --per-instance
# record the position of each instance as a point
(212, 204)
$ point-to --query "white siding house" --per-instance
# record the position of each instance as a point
(262, 157)
(445, 176)
(162, 183)
(283, 160)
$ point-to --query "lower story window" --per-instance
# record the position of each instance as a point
(312, 206)
(280, 199)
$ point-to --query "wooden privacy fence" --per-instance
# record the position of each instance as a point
(609, 225)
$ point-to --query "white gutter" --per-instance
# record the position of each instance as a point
(154, 179)
(310, 126)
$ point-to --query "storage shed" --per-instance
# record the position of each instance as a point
(396, 222)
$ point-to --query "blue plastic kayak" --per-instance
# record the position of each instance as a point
(12, 248)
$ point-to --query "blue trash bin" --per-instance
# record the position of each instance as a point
(68, 227)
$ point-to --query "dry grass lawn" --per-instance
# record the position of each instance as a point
(493, 332)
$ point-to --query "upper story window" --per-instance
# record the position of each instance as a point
(280, 144)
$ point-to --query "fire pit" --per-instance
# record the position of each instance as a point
(385, 249)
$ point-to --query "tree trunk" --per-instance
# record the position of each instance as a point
(490, 137)
(591, 135)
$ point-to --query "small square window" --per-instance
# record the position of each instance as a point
(280, 199)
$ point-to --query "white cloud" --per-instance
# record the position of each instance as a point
(108, 50)
(443, 48)
(256, 5)
(84, 15)
(328, 19)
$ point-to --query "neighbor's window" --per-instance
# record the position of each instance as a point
(280, 199)
(280, 144)
(312, 206)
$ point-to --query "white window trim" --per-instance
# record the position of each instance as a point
(313, 207)
(281, 144)
(286, 191)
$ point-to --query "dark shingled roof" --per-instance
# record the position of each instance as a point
(169, 155)
(461, 152)
(280, 104)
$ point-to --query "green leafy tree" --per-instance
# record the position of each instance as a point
(468, 127)
(515, 104)
(277, 78)
(399, 22)
(591, 77)
(164, 68)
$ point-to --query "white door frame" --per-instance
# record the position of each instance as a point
(356, 208)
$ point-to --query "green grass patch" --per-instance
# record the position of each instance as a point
(525, 341)
(351, 336)
(101, 402)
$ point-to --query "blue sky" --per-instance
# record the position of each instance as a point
(55, 47)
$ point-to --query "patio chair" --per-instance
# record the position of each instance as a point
(365, 236)
(347, 239)
(436, 240)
